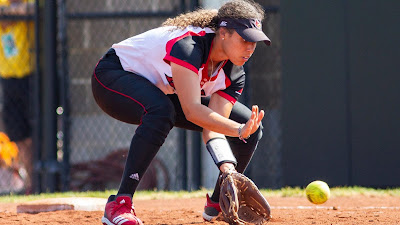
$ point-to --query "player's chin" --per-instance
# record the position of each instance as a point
(240, 62)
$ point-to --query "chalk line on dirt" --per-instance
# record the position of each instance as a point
(332, 207)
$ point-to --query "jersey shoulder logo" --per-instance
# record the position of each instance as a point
(170, 81)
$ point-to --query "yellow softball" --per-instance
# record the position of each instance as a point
(318, 192)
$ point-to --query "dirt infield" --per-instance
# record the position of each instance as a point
(338, 210)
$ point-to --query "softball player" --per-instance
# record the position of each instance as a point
(187, 73)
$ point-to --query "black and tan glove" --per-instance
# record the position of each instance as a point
(241, 202)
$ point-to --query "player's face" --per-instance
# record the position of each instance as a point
(237, 49)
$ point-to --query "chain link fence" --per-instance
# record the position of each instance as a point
(98, 143)
(17, 67)
(94, 146)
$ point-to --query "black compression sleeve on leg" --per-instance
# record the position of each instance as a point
(215, 195)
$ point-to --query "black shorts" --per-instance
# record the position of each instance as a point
(16, 112)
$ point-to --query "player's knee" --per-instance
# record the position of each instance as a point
(166, 111)
(161, 115)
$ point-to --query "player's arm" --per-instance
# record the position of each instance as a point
(223, 107)
(188, 91)
(213, 119)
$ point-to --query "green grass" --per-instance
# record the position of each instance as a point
(144, 195)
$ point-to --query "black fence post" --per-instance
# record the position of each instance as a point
(196, 161)
(49, 96)
(36, 128)
(192, 147)
(63, 110)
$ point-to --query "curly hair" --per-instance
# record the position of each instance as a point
(238, 9)
(199, 18)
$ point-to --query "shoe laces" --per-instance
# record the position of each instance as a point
(126, 207)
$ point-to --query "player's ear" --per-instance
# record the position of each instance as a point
(223, 32)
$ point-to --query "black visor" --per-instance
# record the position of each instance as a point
(248, 29)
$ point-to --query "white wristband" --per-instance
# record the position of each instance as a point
(220, 151)
(240, 133)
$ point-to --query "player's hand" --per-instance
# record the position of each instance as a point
(225, 167)
(253, 123)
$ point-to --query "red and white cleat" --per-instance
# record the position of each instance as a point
(119, 211)
(211, 209)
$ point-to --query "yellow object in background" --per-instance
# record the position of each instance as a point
(16, 44)
(7, 2)
(15, 49)
(4, 3)
(8, 150)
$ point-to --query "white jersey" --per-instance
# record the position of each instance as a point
(149, 55)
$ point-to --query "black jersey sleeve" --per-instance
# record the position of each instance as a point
(189, 52)
(235, 82)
